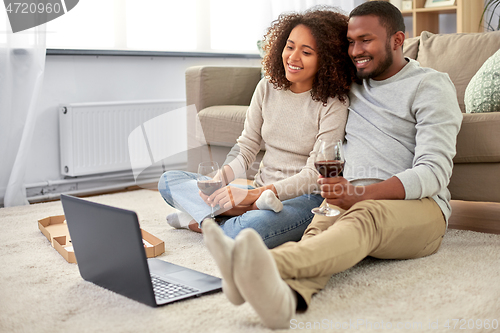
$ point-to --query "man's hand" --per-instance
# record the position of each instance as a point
(339, 192)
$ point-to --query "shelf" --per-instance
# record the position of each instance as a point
(439, 10)
(468, 13)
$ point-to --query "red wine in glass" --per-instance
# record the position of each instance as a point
(329, 168)
(205, 179)
(329, 161)
(209, 186)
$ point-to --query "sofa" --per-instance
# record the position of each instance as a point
(221, 96)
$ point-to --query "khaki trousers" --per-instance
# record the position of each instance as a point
(385, 229)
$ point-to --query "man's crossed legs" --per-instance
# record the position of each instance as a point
(277, 282)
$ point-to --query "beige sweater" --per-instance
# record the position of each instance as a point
(290, 125)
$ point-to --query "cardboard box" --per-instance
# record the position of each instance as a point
(56, 231)
(153, 245)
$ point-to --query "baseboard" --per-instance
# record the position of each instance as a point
(475, 216)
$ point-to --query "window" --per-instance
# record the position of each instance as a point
(156, 25)
(89, 25)
(170, 25)
(237, 25)
(4, 26)
(223, 26)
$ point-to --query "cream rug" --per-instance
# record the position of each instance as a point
(41, 292)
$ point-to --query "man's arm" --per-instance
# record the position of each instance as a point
(438, 119)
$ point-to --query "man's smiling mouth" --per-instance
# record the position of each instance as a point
(362, 61)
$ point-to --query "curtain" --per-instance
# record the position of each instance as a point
(22, 63)
(280, 6)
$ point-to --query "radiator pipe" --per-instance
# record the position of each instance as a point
(54, 196)
(78, 180)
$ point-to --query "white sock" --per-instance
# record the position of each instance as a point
(221, 248)
(269, 201)
(180, 220)
(259, 282)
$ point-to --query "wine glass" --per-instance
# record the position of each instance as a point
(205, 181)
(329, 162)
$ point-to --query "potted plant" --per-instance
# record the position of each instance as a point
(489, 16)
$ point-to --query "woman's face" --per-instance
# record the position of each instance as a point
(300, 59)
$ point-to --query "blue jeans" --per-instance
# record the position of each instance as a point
(179, 190)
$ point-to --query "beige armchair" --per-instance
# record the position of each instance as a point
(221, 96)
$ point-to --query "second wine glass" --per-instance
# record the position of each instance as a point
(205, 180)
(329, 162)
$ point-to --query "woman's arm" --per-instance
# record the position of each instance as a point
(248, 145)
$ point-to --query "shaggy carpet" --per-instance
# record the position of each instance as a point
(40, 292)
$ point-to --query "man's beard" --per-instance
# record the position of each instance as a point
(382, 67)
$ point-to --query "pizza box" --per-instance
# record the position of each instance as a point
(56, 231)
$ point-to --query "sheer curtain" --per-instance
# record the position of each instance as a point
(237, 25)
(22, 63)
(279, 6)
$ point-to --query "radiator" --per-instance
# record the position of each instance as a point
(98, 138)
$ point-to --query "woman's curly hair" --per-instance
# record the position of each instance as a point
(328, 26)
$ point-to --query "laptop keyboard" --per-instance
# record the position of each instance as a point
(167, 290)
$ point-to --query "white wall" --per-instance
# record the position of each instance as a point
(75, 79)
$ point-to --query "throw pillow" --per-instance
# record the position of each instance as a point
(483, 91)
(460, 55)
(410, 47)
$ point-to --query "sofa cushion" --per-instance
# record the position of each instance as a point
(410, 47)
(475, 182)
(460, 55)
(483, 91)
(220, 85)
(478, 139)
(222, 124)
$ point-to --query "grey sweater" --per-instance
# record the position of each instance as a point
(405, 126)
(290, 125)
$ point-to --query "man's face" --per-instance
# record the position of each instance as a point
(370, 48)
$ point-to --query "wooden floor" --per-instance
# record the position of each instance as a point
(475, 216)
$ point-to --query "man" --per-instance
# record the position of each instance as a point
(400, 141)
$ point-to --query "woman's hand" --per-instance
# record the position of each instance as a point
(226, 175)
(339, 192)
(228, 197)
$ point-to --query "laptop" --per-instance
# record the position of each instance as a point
(110, 253)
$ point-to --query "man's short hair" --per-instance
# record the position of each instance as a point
(389, 15)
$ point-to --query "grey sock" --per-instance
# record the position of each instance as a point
(221, 248)
(259, 282)
(179, 220)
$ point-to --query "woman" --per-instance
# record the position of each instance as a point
(303, 98)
